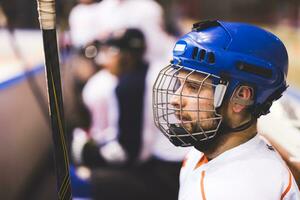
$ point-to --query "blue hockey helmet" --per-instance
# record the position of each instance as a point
(231, 54)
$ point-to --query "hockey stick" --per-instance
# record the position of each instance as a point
(46, 9)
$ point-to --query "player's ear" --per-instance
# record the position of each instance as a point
(242, 98)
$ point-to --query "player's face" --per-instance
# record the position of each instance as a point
(194, 102)
(109, 57)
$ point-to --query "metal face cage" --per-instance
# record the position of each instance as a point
(184, 104)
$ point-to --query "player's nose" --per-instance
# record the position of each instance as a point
(177, 100)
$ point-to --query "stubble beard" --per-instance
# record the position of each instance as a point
(210, 125)
(207, 123)
(195, 126)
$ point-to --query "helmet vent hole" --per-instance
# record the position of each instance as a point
(195, 52)
(202, 54)
(211, 58)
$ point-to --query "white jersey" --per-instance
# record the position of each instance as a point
(82, 22)
(252, 170)
(99, 97)
(146, 15)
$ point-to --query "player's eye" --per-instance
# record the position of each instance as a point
(193, 86)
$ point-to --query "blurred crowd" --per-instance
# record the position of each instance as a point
(118, 47)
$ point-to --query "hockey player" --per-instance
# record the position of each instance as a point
(222, 78)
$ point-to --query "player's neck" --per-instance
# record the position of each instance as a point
(230, 140)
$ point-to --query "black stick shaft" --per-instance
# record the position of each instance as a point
(61, 154)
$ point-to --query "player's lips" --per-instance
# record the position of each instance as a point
(182, 117)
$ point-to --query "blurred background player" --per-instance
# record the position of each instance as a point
(123, 145)
(98, 95)
(91, 21)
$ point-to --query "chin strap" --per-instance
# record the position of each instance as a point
(225, 128)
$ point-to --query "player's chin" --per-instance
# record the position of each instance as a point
(195, 126)
(204, 126)
(188, 126)
(209, 125)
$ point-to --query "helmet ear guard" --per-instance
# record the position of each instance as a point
(237, 98)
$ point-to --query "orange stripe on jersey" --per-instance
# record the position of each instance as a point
(184, 162)
(288, 187)
(202, 185)
(202, 161)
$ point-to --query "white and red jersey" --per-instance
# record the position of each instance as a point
(253, 170)
(99, 97)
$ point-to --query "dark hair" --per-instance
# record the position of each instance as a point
(131, 39)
